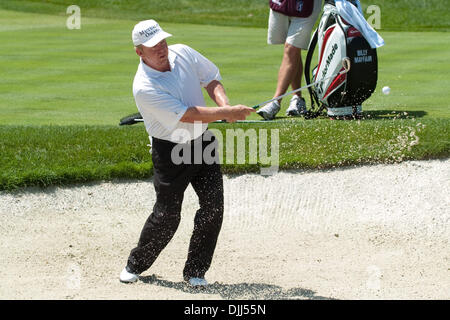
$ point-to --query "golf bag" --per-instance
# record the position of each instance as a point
(343, 94)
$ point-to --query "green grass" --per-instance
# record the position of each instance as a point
(408, 15)
(62, 93)
(45, 155)
(48, 155)
(84, 76)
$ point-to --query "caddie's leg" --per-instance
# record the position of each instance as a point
(288, 72)
(297, 78)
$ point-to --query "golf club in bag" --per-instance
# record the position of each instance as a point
(343, 94)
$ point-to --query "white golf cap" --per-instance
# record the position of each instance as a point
(148, 33)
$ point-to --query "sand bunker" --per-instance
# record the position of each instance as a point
(373, 232)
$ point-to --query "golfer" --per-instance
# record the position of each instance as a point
(167, 91)
(290, 24)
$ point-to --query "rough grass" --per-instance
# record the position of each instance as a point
(46, 155)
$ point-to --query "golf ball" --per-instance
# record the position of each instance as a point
(386, 90)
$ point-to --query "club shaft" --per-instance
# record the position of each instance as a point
(284, 95)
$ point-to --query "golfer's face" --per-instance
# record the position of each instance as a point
(158, 54)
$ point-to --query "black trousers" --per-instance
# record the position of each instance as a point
(170, 182)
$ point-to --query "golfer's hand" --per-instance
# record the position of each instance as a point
(238, 112)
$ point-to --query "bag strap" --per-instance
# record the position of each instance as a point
(311, 48)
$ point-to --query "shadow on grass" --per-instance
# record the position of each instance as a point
(369, 115)
(246, 291)
(392, 114)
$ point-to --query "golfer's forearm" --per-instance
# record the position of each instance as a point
(216, 92)
(204, 114)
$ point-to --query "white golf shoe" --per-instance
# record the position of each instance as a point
(297, 106)
(128, 277)
(197, 282)
(269, 111)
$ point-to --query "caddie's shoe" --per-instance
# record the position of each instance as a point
(197, 282)
(128, 277)
(297, 106)
(269, 111)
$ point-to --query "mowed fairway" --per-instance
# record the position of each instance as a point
(53, 75)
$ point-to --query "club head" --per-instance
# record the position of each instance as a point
(131, 119)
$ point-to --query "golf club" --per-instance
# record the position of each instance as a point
(238, 121)
(345, 65)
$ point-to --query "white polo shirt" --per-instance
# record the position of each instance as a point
(163, 97)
